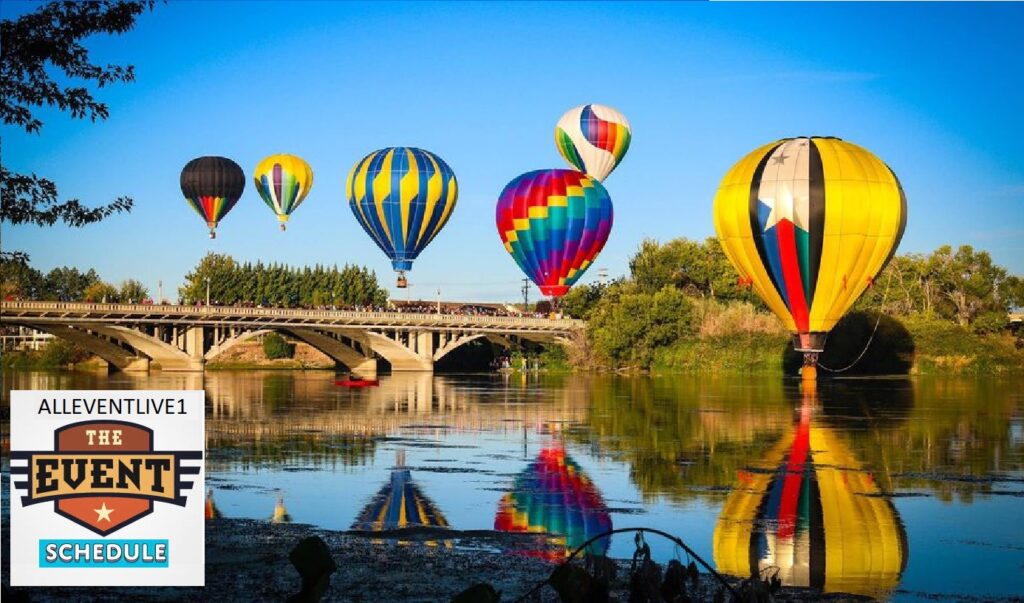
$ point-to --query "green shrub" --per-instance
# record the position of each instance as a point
(275, 346)
(627, 327)
(58, 352)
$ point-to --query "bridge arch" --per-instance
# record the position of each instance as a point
(166, 355)
(463, 338)
(363, 365)
(109, 351)
(232, 341)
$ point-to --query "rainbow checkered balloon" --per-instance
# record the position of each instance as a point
(554, 223)
(593, 139)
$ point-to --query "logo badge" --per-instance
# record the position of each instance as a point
(105, 483)
(103, 475)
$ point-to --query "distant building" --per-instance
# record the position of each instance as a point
(22, 338)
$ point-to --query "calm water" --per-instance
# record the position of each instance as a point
(892, 488)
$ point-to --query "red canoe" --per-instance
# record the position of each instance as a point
(357, 383)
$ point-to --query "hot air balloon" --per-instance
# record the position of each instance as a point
(212, 186)
(813, 512)
(554, 496)
(402, 197)
(593, 139)
(283, 181)
(554, 223)
(810, 223)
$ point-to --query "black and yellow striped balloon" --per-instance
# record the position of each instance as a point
(809, 223)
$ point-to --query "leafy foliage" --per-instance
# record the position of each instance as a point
(275, 347)
(39, 49)
(962, 286)
(59, 352)
(716, 322)
(280, 285)
(132, 291)
(629, 325)
(101, 292)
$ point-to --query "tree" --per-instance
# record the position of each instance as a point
(629, 325)
(698, 268)
(279, 285)
(41, 49)
(101, 292)
(216, 268)
(581, 300)
(18, 280)
(132, 291)
(67, 284)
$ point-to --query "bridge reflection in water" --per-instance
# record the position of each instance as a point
(811, 512)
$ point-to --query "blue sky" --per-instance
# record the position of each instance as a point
(935, 90)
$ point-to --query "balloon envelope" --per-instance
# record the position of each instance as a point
(402, 197)
(212, 186)
(554, 223)
(283, 181)
(593, 139)
(810, 223)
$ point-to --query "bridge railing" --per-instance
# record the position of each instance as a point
(143, 310)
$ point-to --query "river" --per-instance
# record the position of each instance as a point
(892, 488)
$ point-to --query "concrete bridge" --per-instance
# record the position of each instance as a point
(137, 337)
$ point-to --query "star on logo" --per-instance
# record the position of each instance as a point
(780, 159)
(103, 513)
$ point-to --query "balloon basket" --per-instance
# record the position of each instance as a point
(213, 234)
(402, 282)
(283, 227)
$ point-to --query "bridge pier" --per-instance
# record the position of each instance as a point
(137, 365)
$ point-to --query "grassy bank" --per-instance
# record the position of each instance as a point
(749, 352)
(947, 348)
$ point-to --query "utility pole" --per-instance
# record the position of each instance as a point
(602, 275)
(526, 295)
(207, 292)
(160, 292)
(438, 300)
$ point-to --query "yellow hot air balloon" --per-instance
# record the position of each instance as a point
(809, 223)
(283, 181)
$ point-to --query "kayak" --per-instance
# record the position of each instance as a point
(357, 383)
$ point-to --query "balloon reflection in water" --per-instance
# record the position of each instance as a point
(212, 512)
(817, 516)
(554, 496)
(281, 514)
(400, 504)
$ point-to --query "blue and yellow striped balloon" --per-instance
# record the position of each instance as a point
(402, 197)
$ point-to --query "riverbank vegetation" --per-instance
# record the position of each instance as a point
(682, 308)
(56, 353)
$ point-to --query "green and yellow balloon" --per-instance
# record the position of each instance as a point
(283, 181)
